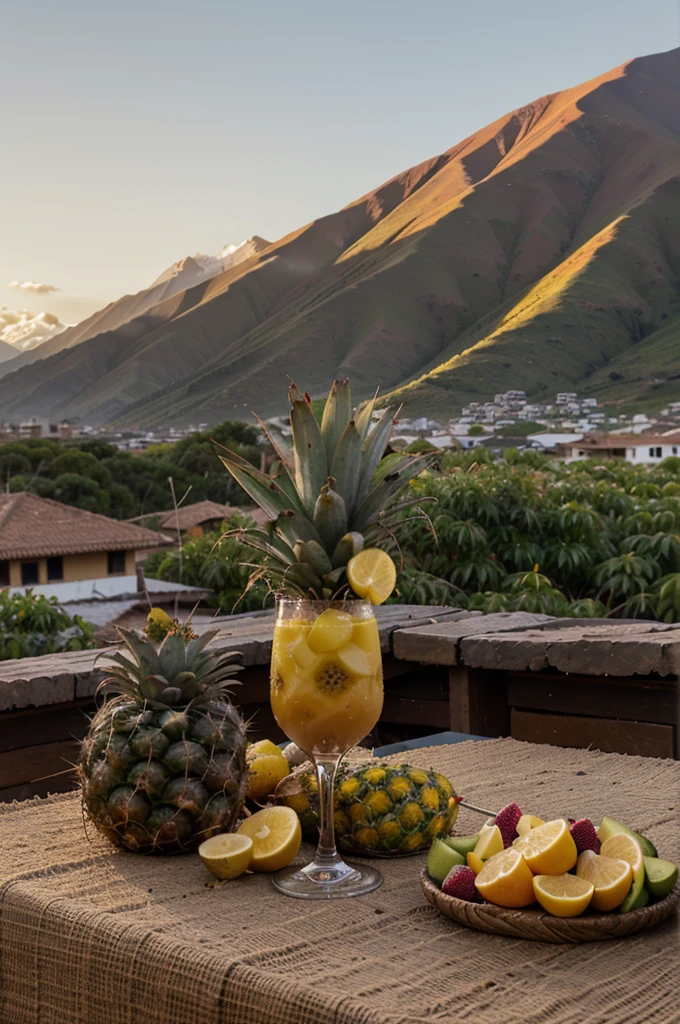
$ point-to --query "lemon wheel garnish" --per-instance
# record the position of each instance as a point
(548, 849)
(563, 895)
(227, 855)
(372, 574)
(612, 879)
(276, 836)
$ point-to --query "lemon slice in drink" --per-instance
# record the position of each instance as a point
(612, 879)
(276, 836)
(563, 895)
(227, 855)
(548, 849)
(372, 574)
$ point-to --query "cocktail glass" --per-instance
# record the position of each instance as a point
(326, 695)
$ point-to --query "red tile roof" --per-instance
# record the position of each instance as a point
(33, 527)
(188, 516)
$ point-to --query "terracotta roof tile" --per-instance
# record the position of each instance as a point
(33, 527)
(200, 512)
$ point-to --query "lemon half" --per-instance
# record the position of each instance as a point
(372, 574)
(227, 855)
(276, 836)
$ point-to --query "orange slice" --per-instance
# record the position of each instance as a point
(612, 879)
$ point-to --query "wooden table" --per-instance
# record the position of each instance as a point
(90, 935)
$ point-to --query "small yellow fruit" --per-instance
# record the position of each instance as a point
(506, 880)
(372, 574)
(527, 822)
(264, 774)
(227, 855)
(548, 849)
(489, 843)
(612, 879)
(159, 616)
(267, 747)
(276, 835)
(563, 895)
(474, 862)
(624, 847)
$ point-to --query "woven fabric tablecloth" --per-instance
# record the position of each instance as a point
(89, 935)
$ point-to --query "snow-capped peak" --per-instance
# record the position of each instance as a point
(24, 330)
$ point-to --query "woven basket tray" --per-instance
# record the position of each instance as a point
(542, 927)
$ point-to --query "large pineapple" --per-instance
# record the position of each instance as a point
(328, 495)
(163, 765)
(381, 809)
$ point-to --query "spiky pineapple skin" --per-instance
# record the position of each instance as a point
(158, 776)
(380, 809)
(189, 786)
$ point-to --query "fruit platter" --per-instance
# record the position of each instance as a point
(556, 881)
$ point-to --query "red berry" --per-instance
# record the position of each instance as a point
(584, 835)
(507, 822)
(460, 882)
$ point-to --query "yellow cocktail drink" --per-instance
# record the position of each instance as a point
(326, 676)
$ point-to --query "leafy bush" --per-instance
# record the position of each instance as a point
(523, 532)
(31, 624)
(219, 562)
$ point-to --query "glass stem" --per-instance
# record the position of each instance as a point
(326, 853)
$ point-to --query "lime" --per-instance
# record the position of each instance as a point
(441, 859)
(227, 855)
(631, 901)
(661, 876)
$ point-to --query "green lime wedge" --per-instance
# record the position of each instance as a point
(463, 844)
(612, 827)
(631, 901)
(661, 876)
(441, 859)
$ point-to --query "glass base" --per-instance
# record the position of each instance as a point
(316, 882)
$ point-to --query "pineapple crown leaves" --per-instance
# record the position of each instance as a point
(172, 673)
(328, 494)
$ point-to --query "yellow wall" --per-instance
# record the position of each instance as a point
(76, 567)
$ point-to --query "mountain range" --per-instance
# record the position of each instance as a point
(542, 252)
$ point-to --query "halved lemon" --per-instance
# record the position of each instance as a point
(227, 855)
(506, 880)
(527, 822)
(563, 895)
(489, 843)
(623, 847)
(548, 849)
(276, 836)
(372, 574)
(612, 879)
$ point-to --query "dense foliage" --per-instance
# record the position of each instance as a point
(587, 539)
(31, 624)
(99, 477)
(217, 562)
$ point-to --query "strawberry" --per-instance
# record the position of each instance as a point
(507, 822)
(584, 835)
(460, 882)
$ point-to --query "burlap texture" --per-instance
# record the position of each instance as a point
(89, 935)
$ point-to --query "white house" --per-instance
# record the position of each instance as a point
(641, 449)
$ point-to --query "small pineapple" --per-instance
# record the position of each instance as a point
(381, 809)
(163, 765)
(328, 496)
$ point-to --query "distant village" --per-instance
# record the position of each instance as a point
(572, 428)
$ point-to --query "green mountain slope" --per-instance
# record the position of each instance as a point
(542, 252)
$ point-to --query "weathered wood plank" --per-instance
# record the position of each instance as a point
(439, 644)
(34, 763)
(617, 649)
(644, 700)
(402, 711)
(35, 726)
(478, 702)
(607, 734)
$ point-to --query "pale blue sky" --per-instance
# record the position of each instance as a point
(135, 132)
